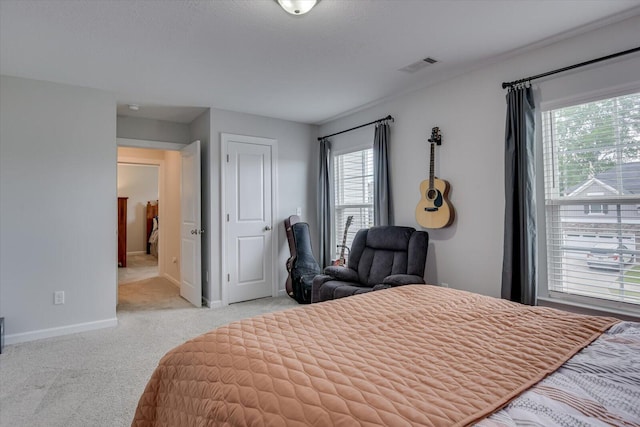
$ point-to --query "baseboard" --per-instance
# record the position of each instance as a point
(282, 292)
(136, 253)
(172, 280)
(215, 304)
(56, 332)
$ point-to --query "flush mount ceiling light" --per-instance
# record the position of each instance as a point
(297, 7)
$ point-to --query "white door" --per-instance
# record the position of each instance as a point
(249, 234)
(191, 225)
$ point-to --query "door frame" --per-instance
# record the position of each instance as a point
(275, 271)
(153, 145)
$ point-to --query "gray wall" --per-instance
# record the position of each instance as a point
(297, 178)
(470, 110)
(152, 130)
(58, 198)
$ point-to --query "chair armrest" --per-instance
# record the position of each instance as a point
(402, 279)
(342, 273)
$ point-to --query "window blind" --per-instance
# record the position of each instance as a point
(353, 183)
(592, 199)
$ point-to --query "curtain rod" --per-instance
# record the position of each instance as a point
(571, 67)
(384, 119)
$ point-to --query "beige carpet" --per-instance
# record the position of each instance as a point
(139, 267)
(96, 378)
(156, 293)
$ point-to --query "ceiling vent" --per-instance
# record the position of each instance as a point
(412, 68)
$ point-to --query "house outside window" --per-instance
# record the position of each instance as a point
(591, 194)
(353, 185)
(596, 208)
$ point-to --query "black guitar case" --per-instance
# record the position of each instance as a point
(304, 266)
(288, 222)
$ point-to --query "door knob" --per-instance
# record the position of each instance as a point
(267, 228)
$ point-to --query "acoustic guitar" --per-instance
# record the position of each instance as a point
(340, 261)
(434, 209)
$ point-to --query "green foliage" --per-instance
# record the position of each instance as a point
(594, 137)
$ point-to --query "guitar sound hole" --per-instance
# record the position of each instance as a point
(431, 194)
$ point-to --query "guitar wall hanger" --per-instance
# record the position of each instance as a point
(434, 209)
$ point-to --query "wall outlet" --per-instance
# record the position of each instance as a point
(206, 275)
(444, 285)
(58, 297)
(299, 211)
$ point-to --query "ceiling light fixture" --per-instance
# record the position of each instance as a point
(297, 7)
(134, 107)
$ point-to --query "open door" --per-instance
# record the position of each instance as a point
(191, 226)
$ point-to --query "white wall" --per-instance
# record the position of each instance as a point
(59, 208)
(297, 178)
(140, 184)
(170, 219)
(470, 110)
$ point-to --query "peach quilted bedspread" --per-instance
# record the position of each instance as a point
(409, 356)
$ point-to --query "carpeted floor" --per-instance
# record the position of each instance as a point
(156, 293)
(139, 267)
(96, 378)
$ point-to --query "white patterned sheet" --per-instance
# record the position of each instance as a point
(599, 386)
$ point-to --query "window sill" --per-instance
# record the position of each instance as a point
(592, 310)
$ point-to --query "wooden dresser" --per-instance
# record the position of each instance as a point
(122, 231)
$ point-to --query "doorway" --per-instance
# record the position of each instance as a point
(166, 211)
(138, 191)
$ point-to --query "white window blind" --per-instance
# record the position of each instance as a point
(353, 183)
(592, 193)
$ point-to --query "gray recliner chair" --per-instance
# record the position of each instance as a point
(380, 257)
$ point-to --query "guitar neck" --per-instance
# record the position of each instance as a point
(431, 167)
(344, 240)
(344, 244)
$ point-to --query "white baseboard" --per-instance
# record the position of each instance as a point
(62, 330)
(172, 280)
(215, 304)
(136, 253)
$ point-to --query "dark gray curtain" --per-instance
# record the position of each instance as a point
(382, 209)
(518, 267)
(324, 203)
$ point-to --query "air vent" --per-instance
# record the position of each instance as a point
(412, 68)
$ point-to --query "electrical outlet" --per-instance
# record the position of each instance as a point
(444, 285)
(206, 275)
(299, 211)
(58, 297)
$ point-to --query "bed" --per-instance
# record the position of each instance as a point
(410, 355)
(152, 228)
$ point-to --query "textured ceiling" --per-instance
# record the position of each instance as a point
(251, 56)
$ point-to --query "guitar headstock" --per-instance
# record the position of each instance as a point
(435, 136)
(349, 221)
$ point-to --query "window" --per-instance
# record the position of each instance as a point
(592, 190)
(596, 209)
(353, 184)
